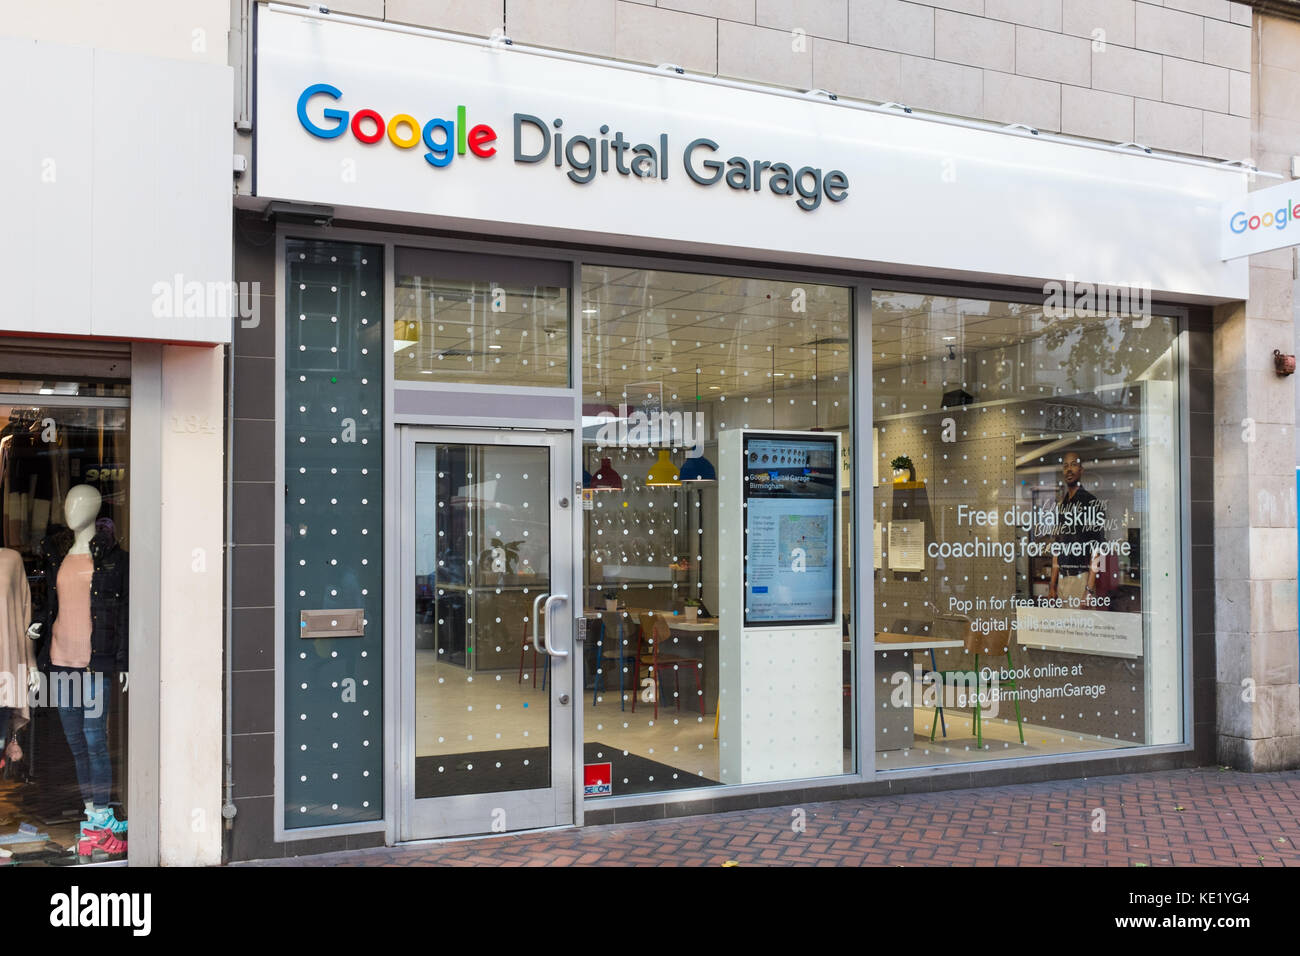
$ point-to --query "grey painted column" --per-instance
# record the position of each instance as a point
(144, 697)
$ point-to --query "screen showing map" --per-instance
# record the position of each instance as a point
(790, 488)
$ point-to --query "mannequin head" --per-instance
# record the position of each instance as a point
(81, 508)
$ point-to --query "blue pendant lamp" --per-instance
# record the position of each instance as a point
(698, 470)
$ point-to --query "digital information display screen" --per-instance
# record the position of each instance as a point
(790, 559)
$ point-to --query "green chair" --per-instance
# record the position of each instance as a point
(994, 643)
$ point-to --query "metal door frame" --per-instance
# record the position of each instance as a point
(470, 814)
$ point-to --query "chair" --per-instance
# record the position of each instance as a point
(608, 652)
(654, 633)
(526, 644)
(996, 643)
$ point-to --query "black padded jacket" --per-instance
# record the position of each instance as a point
(109, 608)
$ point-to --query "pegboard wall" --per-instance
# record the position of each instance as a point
(977, 472)
(334, 531)
(979, 468)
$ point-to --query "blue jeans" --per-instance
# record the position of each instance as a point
(82, 698)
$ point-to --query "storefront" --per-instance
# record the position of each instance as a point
(117, 261)
(631, 444)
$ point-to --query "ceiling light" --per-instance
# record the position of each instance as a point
(591, 311)
(663, 473)
(715, 388)
(950, 338)
(698, 471)
(494, 346)
(606, 478)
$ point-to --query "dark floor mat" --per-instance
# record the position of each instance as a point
(530, 769)
(636, 774)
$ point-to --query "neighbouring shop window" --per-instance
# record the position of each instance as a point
(1027, 536)
(485, 319)
(64, 655)
(676, 366)
(333, 533)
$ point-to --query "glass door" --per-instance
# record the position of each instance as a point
(487, 737)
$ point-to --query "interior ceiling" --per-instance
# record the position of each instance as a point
(644, 330)
(745, 336)
(908, 328)
(911, 329)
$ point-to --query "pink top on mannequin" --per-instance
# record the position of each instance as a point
(71, 637)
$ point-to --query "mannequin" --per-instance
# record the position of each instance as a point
(86, 623)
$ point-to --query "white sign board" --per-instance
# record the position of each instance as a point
(1259, 221)
(117, 203)
(492, 139)
(1112, 633)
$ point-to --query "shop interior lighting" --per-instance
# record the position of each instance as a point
(663, 473)
(606, 478)
(698, 470)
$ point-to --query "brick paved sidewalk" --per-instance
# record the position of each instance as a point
(1201, 817)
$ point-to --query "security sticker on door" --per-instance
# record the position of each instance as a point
(596, 779)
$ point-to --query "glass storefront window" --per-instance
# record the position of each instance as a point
(489, 320)
(1027, 487)
(675, 366)
(65, 530)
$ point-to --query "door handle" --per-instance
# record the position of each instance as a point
(536, 614)
(546, 634)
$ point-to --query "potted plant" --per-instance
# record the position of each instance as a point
(611, 600)
(904, 470)
(501, 557)
(691, 610)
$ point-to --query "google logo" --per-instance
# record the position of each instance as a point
(444, 139)
(1239, 222)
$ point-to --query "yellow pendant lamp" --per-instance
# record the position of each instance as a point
(663, 473)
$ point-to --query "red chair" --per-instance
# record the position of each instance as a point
(654, 633)
(524, 648)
